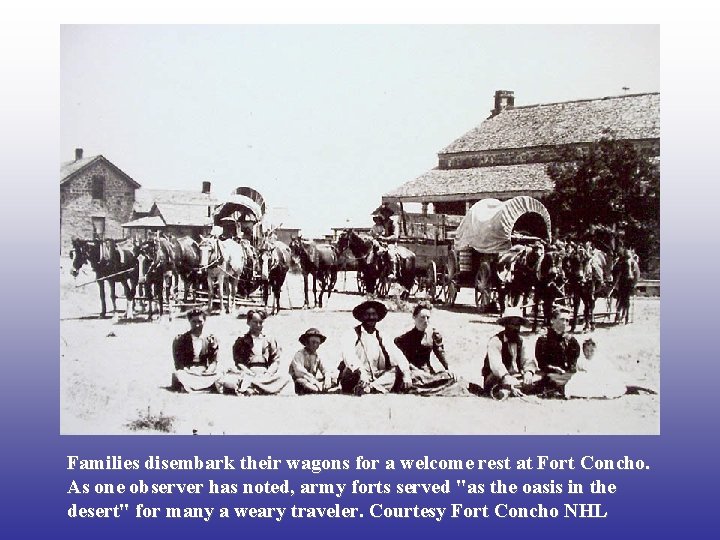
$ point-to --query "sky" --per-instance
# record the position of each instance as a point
(322, 120)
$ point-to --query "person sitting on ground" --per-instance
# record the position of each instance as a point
(307, 368)
(368, 365)
(508, 370)
(195, 357)
(594, 378)
(257, 362)
(557, 352)
(417, 345)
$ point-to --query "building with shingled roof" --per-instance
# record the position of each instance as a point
(507, 154)
(176, 212)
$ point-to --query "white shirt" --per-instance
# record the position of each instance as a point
(365, 354)
(197, 343)
(257, 347)
(494, 352)
(598, 379)
(304, 363)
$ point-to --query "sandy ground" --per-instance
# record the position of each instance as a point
(114, 372)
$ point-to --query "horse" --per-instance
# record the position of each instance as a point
(186, 255)
(549, 287)
(275, 261)
(112, 261)
(364, 250)
(156, 269)
(626, 273)
(519, 270)
(319, 260)
(225, 260)
(586, 276)
(398, 264)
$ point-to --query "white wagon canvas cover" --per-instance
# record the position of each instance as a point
(489, 225)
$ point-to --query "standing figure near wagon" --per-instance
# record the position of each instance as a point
(384, 233)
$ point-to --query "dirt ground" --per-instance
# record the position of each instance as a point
(115, 372)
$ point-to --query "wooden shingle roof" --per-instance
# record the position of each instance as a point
(188, 215)
(441, 184)
(635, 117)
(145, 198)
(147, 222)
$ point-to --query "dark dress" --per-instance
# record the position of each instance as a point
(417, 347)
(257, 372)
(194, 376)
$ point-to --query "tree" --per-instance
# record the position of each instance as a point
(610, 187)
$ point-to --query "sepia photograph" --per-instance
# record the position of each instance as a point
(359, 229)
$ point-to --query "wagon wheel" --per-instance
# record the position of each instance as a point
(360, 282)
(432, 281)
(483, 285)
(451, 293)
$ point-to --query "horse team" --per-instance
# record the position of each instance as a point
(567, 272)
(222, 267)
(536, 275)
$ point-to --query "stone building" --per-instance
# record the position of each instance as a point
(96, 198)
(507, 154)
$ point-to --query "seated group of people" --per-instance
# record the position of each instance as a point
(368, 365)
(556, 366)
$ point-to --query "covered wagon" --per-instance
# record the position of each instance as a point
(490, 228)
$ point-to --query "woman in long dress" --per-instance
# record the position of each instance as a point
(417, 345)
(195, 357)
(257, 362)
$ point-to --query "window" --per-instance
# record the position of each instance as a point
(98, 187)
(98, 224)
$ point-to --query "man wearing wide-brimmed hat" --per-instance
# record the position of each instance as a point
(307, 368)
(369, 364)
(378, 228)
(507, 365)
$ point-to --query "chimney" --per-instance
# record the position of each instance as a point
(206, 187)
(503, 99)
(78, 154)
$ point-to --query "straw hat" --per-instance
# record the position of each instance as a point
(310, 332)
(512, 315)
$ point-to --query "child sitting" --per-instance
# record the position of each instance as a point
(594, 378)
(307, 368)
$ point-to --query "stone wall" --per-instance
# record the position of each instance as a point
(77, 206)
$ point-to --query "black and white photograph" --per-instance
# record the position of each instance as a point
(360, 229)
